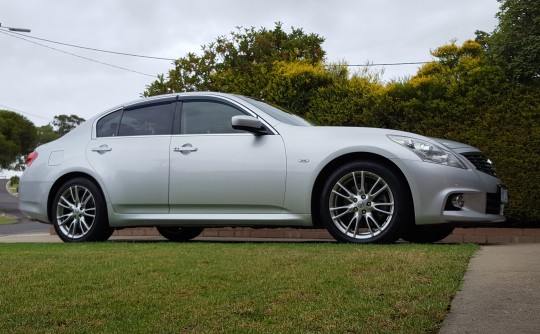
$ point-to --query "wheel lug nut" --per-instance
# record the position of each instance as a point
(355, 200)
(368, 203)
(363, 196)
(364, 211)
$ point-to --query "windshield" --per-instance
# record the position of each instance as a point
(276, 113)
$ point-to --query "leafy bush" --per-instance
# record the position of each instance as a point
(464, 97)
(14, 180)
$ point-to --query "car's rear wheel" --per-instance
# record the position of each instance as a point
(79, 212)
(364, 202)
(427, 234)
(179, 233)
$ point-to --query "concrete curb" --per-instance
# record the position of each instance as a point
(9, 191)
(52, 238)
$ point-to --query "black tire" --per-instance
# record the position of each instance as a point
(376, 212)
(79, 213)
(427, 234)
(179, 234)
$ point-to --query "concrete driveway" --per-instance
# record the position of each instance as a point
(500, 292)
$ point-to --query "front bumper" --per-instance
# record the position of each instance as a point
(434, 186)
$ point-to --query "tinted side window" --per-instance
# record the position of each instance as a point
(108, 125)
(147, 120)
(203, 117)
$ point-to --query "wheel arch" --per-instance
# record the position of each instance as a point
(350, 157)
(63, 179)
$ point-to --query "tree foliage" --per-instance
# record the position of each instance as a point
(515, 43)
(237, 63)
(350, 100)
(45, 134)
(17, 138)
(463, 96)
(62, 124)
(444, 94)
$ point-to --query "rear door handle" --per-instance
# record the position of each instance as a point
(102, 149)
(186, 149)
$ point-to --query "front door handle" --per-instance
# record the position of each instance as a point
(186, 149)
(102, 149)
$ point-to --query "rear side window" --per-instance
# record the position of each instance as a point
(146, 120)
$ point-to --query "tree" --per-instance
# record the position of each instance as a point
(46, 134)
(349, 100)
(515, 42)
(292, 85)
(239, 63)
(445, 94)
(17, 138)
(62, 124)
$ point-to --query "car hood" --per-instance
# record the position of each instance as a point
(454, 145)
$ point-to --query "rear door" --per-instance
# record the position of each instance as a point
(130, 152)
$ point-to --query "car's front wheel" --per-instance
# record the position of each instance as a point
(179, 233)
(79, 212)
(364, 202)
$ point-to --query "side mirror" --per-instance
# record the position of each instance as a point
(248, 123)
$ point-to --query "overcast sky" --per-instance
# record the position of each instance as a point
(42, 82)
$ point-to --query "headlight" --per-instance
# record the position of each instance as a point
(429, 152)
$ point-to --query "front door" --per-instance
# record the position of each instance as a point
(216, 169)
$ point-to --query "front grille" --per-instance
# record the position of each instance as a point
(493, 203)
(481, 162)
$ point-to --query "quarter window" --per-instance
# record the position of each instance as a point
(108, 125)
(204, 117)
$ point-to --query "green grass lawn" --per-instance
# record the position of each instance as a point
(13, 188)
(202, 287)
(6, 219)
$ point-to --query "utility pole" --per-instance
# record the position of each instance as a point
(15, 29)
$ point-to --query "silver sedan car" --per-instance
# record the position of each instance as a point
(186, 161)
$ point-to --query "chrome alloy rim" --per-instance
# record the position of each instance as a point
(76, 212)
(361, 205)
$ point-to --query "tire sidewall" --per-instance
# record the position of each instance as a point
(397, 223)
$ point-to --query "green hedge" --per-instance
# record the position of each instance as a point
(463, 97)
(507, 130)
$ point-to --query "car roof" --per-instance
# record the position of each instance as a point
(171, 95)
(226, 96)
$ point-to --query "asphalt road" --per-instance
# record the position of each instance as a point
(9, 204)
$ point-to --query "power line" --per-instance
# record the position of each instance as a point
(23, 112)
(95, 49)
(172, 59)
(389, 64)
(78, 56)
